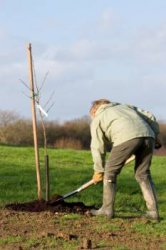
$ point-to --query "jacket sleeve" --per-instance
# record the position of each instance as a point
(97, 147)
(149, 118)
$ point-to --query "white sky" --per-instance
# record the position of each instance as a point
(91, 49)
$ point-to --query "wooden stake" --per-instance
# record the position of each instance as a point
(34, 122)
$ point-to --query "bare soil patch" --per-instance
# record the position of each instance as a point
(39, 225)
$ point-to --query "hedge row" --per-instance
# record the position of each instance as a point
(71, 134)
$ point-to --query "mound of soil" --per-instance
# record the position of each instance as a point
(52, 205)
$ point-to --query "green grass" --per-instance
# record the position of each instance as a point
(45, 242)
(10, 239)
(68, 170)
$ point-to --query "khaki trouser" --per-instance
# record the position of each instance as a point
(142, 148)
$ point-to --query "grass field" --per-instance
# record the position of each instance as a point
(68, 170)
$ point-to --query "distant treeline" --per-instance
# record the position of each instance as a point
(18, 131)
(70, 134)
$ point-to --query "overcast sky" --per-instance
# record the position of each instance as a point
(90, 48)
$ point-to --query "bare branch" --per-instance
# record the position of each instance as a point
(25, 94)
(50, 107)
(44, 80)
(49, 99)
(24, 84)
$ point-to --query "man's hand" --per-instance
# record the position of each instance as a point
(97, 177)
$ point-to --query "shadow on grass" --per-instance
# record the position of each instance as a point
(128, 217)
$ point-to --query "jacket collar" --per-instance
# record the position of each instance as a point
(103, 107)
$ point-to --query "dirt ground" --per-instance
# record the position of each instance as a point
(38, 225)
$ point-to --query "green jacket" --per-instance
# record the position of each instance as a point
(118, 123)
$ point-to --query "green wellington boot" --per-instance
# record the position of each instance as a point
(107, 209)
(150, 199)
